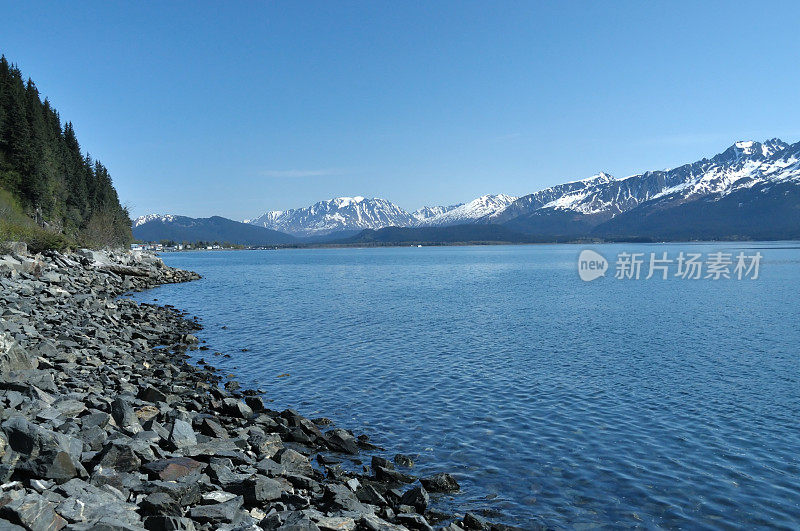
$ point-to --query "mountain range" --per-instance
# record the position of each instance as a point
(749, 191)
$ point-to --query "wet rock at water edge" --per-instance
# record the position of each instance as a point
(440, 483)
(341, 440)
(417, 498)
(404, 460)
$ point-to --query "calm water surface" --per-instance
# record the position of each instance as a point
(553, 401)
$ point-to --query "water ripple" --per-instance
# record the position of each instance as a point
(609, 404)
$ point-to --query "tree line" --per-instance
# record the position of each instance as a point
(43, 167)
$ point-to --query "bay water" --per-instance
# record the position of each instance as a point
(617, 402)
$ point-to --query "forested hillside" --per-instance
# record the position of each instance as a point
(52, 191)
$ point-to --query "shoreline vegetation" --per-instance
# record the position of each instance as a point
(52, 194)
(105, 424)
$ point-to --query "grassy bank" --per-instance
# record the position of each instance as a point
(16, 226)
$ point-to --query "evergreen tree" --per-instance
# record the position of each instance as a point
(41, 164)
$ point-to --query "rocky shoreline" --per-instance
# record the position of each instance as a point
(105, 425)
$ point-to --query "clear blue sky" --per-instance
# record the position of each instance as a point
(234, 108)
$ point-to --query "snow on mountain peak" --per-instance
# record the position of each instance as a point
(481, 207)
(337, 214)
(751, 148)
(141, 220)
(346, 201)
(597, 178)
(428, 212)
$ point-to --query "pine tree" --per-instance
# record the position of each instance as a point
(42, 165)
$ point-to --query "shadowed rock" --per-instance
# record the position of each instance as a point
(440, 483)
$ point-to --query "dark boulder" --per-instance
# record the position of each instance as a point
(339, 497)
(341, 441)
(151, 394)
(234, 407)
(440, 483)
(417, 498)
(158, 504)
(124, 415)
(255, 403)
(258, 490)
(414, 521)
(119, 456)
(219, 513)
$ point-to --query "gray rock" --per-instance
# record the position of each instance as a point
(298, 521)
(254, 403)
(186, 491)
(414, 521)
(233, 407)
(48, 454)
(381, 462)
(219, 513)
(473, 521)
(370, 522)
(124, 415)
(89, 503)
(13, 357)
(213, 429)
(151, 394)
(258, 490)
(339, 497)
(182, 434)
(293, 462)
(368, 494)
(341, 441)
(32, 511)
(417, 497)
(392, 476)
(160, 504)
(217, 496)
(440, 483)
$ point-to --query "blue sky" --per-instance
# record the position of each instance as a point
(234, 108)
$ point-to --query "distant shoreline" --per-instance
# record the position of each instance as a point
(466, 244)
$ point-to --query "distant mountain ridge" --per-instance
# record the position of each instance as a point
(604, 196)
(750, 190)
(349, 213)
(595, 205)
(339, 214)
(156, 227)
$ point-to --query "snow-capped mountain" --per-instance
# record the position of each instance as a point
(333, 215)
(141, 220)
(749, 191)
(427, 212)
(602, 197)
(477, 209)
